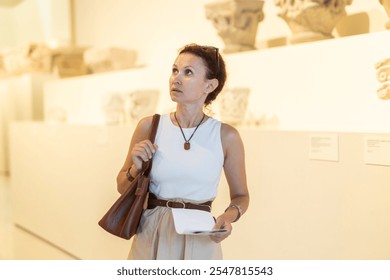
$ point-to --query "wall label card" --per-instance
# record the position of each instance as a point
(377, 150)
(324, 146)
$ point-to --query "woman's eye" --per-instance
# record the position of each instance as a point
(188, 72)
(174, 71)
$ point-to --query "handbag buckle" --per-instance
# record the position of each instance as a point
(168, 201)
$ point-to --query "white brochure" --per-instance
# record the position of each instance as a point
(197, 222)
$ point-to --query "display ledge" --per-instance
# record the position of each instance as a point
(305, 204)
(328, 85)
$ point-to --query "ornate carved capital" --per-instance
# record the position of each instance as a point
(386, 5)
(236, 22)
(311, 20)
(100, 60)
(233, 105)
(383, 76)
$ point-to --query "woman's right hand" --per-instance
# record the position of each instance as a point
(142, 151)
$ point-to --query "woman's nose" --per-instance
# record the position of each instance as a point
(176, 79)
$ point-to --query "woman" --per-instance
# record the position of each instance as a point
(189, 153)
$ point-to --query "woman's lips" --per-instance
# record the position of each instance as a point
(175, 90)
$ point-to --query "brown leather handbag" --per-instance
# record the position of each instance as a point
(123, 218)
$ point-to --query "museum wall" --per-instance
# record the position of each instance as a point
(6, 29)
(180, 22)
(35, 21)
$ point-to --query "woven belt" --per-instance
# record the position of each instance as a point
(153, 202)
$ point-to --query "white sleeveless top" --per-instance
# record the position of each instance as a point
(192, 174)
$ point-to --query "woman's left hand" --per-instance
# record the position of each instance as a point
(221, 223)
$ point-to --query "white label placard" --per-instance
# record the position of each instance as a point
(324, 147)
(377, 150)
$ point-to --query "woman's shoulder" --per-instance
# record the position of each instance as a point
(144, 125)
(231, 140)
(229, 133)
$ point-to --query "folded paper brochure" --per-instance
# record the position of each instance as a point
(197, 222)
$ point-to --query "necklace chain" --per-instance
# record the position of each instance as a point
(187, 144)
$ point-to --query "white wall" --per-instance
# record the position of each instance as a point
(324, 85)
(148, 26)
(153, 26)
(35, 21)
(6, 28)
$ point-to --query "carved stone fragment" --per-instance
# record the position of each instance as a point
(33, 58)
(29, 58)
(109, 59)
(236, 22)
(311, 20)
(140, 103)
(69, 62)
(113, 108)
(16, 61)
(40, 57)
(383, 76)
(233, 103)
(386, 5)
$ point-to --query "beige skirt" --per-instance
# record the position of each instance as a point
(157, 239)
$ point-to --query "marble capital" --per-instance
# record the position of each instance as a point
(236, 22)
(311, 20)
(386, 5)
(26, 59)
(233, 104)
(100, 60)
(383, 76)
(69, 62)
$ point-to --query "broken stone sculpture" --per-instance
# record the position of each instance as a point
(140, 103)
(386, 5)
(383, 76)
(16, 61)
(39, 58)
(236, 22)
(311, 20)
(109, 59)
(69, 62)
(113, 108)
(233, 103)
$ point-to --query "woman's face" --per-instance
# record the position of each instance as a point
(188, 83)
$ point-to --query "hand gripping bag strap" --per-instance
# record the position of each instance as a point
(147, 166)
(123, 218)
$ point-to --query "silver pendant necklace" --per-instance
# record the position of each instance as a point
(187, 144)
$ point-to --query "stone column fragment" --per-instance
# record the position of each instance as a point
(236, 22)
(386, 5)
(311, 20)
(383, 76)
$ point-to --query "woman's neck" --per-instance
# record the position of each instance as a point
(188, 118)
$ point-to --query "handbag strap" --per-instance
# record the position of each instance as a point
(147, 165)
(153, 131)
